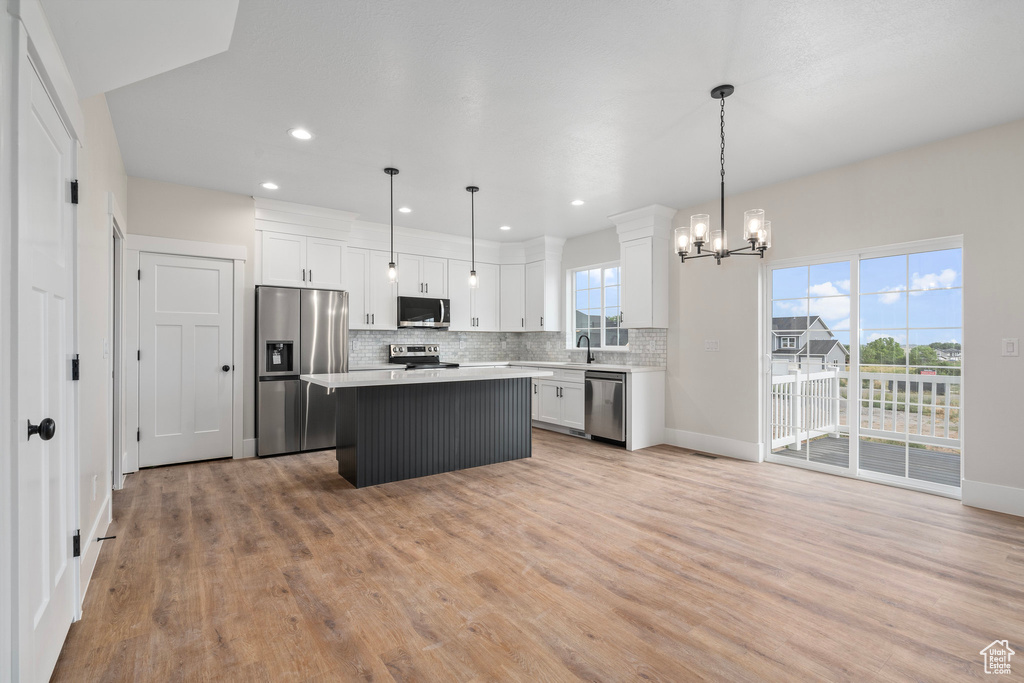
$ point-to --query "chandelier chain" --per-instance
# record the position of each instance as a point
(722, 118)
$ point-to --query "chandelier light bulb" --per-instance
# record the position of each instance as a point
(392, 273)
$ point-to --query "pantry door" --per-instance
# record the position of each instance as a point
(185, 359)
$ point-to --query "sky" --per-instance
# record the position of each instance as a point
(915, 297)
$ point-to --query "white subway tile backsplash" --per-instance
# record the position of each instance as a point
(646, 347)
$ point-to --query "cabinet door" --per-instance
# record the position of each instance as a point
(535, 400)
(435, 277)
(324, 263)
(486, 303)
(284, 260)
(573, 405)
(550, 409)
(382, 304)
(460, 297)
(410, 275)
(637, 308)
(513, 292)
(534, 307)
(357, 271)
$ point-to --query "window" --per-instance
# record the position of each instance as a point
(595, 307)
(788, 343)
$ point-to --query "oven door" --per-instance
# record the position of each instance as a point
(414, 311)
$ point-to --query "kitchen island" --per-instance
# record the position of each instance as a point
(400, 424)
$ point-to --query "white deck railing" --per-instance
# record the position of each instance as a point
(810, 403)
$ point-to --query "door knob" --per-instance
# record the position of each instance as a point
(225, 368)
(45, 429)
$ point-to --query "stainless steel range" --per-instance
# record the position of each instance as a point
(417, 356)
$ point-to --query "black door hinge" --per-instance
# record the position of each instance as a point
(76, 544)
(74, 368)
(138, 435)
(74, 191)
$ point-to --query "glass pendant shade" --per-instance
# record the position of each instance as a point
(753, 224)
(683, 240)
(700, 230)
(719, 241)
(474, 282)
(392, 272)
(766, 235)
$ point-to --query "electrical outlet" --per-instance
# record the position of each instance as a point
(462, 344)
(504, 345)
(1011, 347)
(711, 345)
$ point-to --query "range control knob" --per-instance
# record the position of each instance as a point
(401, 350)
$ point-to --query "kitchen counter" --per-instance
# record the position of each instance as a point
(565, 365)
(377, 378)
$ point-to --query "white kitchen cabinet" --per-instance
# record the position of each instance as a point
(299, 261)
(636, 300)
(371, 299)
(423, 276)
(473, 310)
(543, 296)
(513, 298)
(325, 263)
(645, 253)
(560, 400)
(284, 260)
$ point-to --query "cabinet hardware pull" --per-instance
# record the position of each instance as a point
(426, 287)
(373, 318)
(303, 274)
(535, 388)
(522, 322)
(541, 318)
(310, 274)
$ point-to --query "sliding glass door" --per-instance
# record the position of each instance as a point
(866, 366)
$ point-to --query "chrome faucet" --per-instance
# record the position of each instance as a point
(590, 356)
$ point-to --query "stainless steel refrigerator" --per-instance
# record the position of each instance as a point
(298, 332)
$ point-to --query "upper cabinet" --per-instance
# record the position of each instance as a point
(645, 251)
(543, 296)
(473, 310)
(371, 295)
(422, 276)
(298, 261)
(513, 298)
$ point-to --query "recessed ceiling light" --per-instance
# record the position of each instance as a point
(269, 186)
(577, 202)
(404, 209)
(300, 134)
(505, 227)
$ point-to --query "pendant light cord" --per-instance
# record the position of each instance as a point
(392, 217)
(472, 226)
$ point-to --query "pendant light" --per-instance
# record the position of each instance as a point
(472, 190)
(392, 270)
(757, 232)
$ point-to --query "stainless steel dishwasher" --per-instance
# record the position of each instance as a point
(605, 412)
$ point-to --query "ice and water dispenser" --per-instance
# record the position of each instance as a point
(280, 358)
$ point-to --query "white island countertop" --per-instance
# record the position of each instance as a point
(379, 378)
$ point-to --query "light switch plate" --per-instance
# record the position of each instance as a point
(711, 345)
(1011, 347)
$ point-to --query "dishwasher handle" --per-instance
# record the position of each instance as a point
(605, 376)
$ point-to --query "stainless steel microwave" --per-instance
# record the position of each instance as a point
(414, 311)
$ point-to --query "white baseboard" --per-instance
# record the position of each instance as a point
(249, 448)
(995, 497)
(91, 547)
(715, 445)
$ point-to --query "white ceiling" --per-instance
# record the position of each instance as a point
(111, 43)
(540, 102)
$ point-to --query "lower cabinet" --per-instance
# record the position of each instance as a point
(559, 401)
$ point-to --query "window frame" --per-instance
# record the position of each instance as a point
(570, 313)
(784, 345)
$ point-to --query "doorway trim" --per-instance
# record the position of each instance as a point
(135, 245)
(116, 363)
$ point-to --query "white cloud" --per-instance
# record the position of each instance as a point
(844, 285)
(943, 280)
(831, 308)
(841, 325)
(882, 335)
(824, 289)
(891, 295)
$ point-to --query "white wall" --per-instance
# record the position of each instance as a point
(181, 212)
(100, 171)
(969, 185)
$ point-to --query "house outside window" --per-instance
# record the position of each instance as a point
(787, 343)
(595, 311)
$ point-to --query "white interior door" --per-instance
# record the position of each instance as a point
(46, 497)
(185, 331)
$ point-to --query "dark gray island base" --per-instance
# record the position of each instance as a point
(400, 431)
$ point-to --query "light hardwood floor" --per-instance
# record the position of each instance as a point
(583, 562)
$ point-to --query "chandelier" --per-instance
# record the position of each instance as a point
(700, 239)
